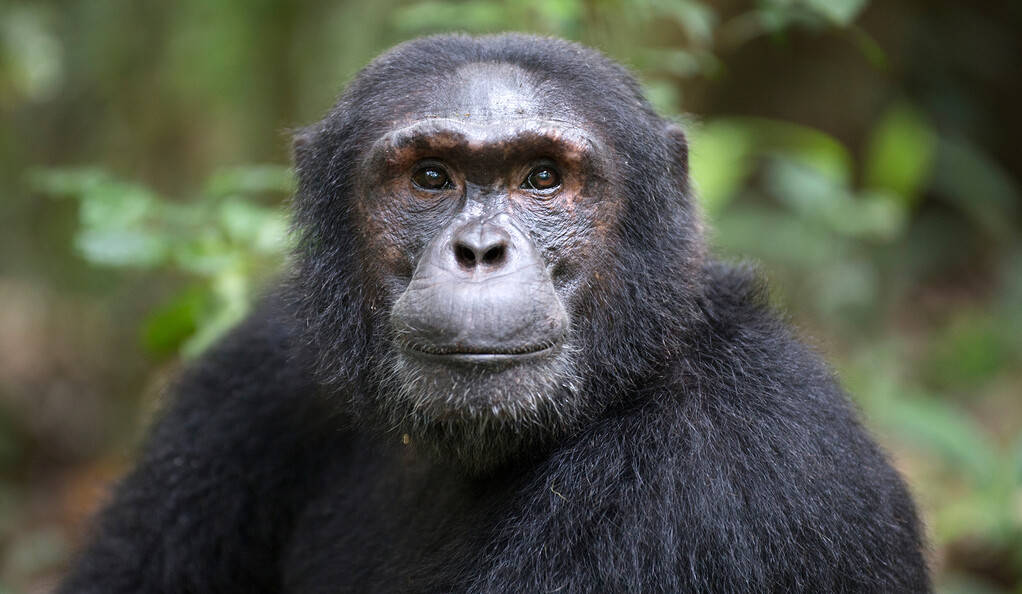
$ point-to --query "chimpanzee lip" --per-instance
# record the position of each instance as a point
(479, 354)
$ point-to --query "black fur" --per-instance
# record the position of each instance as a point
(707, 451)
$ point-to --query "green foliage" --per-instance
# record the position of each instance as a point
(982, 478)
(901, 151)
(839, 12)
(970, 350)
(824, 225)
(720, 161)
(222, 238)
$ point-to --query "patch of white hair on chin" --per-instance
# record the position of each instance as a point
(475, 413)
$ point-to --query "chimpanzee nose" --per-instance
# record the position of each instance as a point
(481, 244)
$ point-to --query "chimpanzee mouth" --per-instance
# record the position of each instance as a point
(481, 354)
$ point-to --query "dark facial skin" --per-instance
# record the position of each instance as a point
(485, 216)
(476, 196)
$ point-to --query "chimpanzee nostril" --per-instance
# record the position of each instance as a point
(481, 244)
(495, 255)
(465, 255)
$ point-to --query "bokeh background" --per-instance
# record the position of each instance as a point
(864, 153)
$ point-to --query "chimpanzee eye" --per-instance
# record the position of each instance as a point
(431, 177)
(543, 177)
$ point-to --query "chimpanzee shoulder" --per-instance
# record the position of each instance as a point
(743, 469)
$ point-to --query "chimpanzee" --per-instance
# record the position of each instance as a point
(505, 362)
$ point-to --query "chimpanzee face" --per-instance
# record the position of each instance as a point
(484, 211)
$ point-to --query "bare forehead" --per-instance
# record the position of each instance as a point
(493, 90)
(488, 105)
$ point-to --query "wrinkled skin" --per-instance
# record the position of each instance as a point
(480, 327)
(504, 362)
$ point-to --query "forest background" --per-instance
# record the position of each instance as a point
(864, 154)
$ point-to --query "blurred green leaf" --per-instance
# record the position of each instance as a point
(844, 285)
(65, 181)
(900, 153)
(264, 229)
(839, 12)
(166, 329)
(680, 63)
(251, 179)
(825, 270)
(121, 247)
(234, 295)
(221, 237)
(935, 426)
(870, 48)
(922, 420)
(207, 255)
(777, 237)
(664, 95)
(719, 159)
(812, 147)
(815, 195)
(697, 19)
(115, 205)
(968, 352)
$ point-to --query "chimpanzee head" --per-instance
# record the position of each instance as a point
(496, 241)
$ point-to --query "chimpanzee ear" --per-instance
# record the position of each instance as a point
(679, 144)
